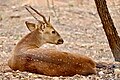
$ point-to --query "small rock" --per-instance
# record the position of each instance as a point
(29, 74)
(101, 73)
(6, 73)
(55, 78)
(117, 71)
(13, 7)
(17, 71)
(40, 76)
(22, 78)
(0, 46)
(34, 75)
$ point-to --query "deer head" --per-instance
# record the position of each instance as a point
(49, 34)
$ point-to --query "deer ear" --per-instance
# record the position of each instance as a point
(31, 26)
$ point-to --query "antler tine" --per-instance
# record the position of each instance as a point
(39, 14)
(32, 14)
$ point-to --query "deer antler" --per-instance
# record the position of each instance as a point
(39, 14)
(33, 15)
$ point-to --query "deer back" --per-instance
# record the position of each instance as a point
(54, 63)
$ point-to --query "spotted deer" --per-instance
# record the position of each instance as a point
(27, 56)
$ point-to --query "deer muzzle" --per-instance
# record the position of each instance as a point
(60, 41)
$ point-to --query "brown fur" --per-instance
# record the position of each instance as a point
(46, 61)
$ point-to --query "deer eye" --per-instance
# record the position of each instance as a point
(53, 32)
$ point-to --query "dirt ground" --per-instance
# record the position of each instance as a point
(77, 22)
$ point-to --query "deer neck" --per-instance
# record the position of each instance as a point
(30, 41)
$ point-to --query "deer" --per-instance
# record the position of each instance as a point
(28, 56)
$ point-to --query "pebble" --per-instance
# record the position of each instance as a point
(29, 74)
(34, 75)
(101, 73)
(117, 71)
(8, 73)
(13, 7)
(55, 78)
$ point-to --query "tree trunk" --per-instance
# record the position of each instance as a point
(109, 28)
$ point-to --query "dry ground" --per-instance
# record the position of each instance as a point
(77, 22)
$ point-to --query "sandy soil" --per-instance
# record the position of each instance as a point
(77, 22)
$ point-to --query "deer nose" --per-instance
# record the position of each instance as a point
(60, 41)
